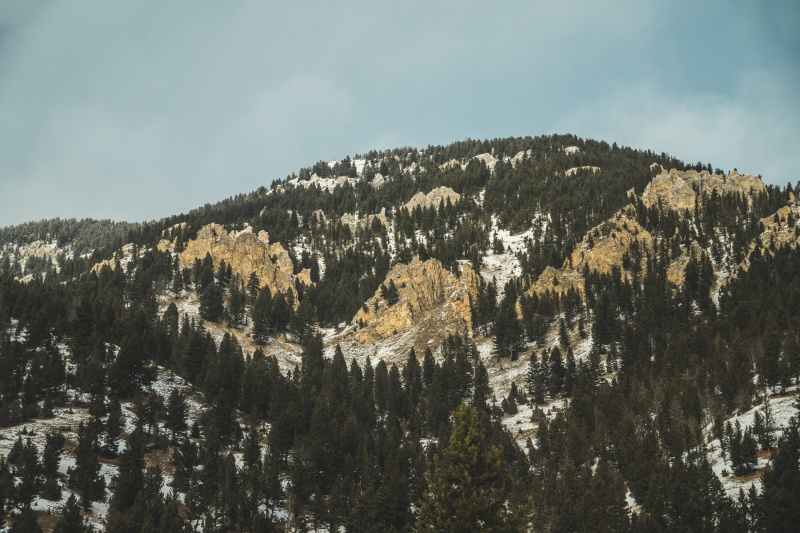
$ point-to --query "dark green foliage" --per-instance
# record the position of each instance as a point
(25, 522)
(469, 486)
(211, 307)
(389, 293)
(85, 477)
(71, 520)
(354, 441)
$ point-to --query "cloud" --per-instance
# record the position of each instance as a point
(751, 130)
(137, 111)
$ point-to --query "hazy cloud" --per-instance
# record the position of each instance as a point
(134, 110)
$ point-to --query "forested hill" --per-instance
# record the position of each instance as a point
(548, 334)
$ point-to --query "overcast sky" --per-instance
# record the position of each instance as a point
(135, 110)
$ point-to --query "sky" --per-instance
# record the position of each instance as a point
(134, 110)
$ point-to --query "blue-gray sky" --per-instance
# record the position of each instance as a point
(135, 110)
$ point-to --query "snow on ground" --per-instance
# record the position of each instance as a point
(504, 266)
(287, 353)
(782, 410)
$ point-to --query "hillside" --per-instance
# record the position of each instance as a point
(624, 328)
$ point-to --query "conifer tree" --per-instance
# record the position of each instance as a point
(130, 479)
(176, 413)
(469, 485)
(25, 522)
(85, 477)
(211, 307)
(71, 520)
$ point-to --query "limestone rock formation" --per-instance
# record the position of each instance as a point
(378, 180)
(355, 222)
(679, 189)
(245, 253)
(323, 183)
(519, 156)
(428, 294)
(489, 159)
(453, 163)
(433, 198)
(604, 246)
(574, 170)
(602, 249)
(780, 229)
(124, 258)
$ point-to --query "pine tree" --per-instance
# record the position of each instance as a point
(51, 456)
(390, 293)
(177, 283)
(25, 522)
(211, 307)
(779, 504)
(469, 486)
(71, 520)
(236, 304)
(176, 413)
(253, 285)
(85, 477)
(130, 479)
(29, 470)
(113, 429)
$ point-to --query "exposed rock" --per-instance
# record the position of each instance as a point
(558, 280)
(245, 253)
(489, 159)
(603, 247)
(780, 229)
(676, 271)
(574, 170)
(124, 258)
(39, 249)
(450, 164)
(355, 222)
(572, 150)
(378, 180)
(427, 293)
(519, 156)
(323, 183)
(433, 198)
(677, 188)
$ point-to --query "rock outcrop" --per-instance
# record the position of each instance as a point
(428, 295)
(355, 222)
(519, 156)
(602, 249)
(780, 229)
(433, 198)
(679, 189)
(124, 258)
(574, 170)
(245, 253)
(488, 159)
(323, 183)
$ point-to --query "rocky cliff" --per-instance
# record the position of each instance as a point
(245, 253)
(427, 294)
(433, 198)
(679, 189)
(780, 229)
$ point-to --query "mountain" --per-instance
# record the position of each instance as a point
(621, 327)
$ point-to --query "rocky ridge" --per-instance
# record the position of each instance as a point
(245, 252)
(427, 292)
(433, 198)
(605, 246)
(680, 189)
